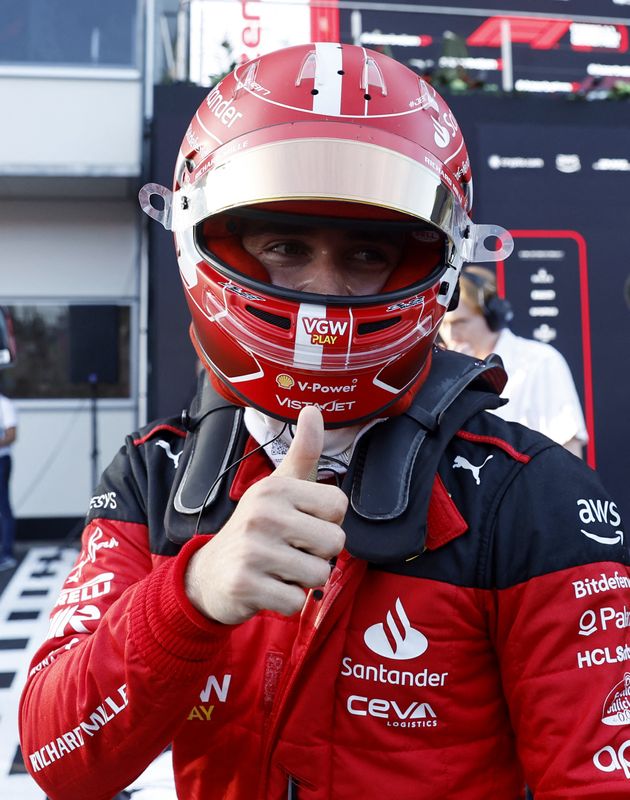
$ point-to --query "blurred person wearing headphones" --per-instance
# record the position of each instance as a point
(540, 389)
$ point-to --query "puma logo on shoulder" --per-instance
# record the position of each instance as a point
(464, 463)
(167, 448)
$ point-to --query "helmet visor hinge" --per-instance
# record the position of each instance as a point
(163, 215)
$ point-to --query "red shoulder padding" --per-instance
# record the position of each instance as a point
(158, 429)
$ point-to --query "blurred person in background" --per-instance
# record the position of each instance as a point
(8, 433)
(540, 390)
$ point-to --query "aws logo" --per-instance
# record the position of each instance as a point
(600, 512)
(324, 331)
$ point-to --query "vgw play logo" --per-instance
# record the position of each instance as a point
(324, 331)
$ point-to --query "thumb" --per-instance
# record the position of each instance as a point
(306, 448)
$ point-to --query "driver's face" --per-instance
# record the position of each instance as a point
(324, 260)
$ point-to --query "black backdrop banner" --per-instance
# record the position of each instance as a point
(554, 171)
(568, 41)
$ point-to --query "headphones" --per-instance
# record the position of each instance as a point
(497, 311)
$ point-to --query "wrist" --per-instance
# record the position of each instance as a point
(192, 583)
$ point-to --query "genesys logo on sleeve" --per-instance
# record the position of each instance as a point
(106, 500)
(600, 521)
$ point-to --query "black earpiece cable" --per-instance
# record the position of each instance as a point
(228, 468)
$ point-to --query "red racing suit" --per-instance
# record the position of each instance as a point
(497, 658)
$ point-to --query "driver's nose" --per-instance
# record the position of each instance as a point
(324, 275)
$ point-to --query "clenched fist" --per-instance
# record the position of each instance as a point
(278, 541)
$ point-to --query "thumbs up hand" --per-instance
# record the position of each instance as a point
(303, 456)
(278, 541)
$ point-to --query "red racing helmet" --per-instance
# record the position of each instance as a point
(321, 134)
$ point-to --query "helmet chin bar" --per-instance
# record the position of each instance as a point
(236, 393)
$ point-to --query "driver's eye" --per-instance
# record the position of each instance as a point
(288, 248)
(367, 254)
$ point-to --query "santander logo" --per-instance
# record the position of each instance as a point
(403, 641)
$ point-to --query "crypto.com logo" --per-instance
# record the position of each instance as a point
(403, 642)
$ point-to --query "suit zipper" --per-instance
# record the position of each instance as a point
(292, 789)
(338, 582)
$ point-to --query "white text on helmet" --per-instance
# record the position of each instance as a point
(331, 405)
(222, 109)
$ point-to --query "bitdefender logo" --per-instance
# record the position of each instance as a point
(403, 641)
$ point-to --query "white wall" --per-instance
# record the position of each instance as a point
(60, 250)
(68, 248)
(56, 125)
(52, 465)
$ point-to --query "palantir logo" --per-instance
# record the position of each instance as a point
(403, 641)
